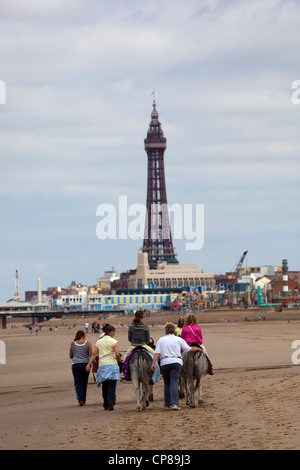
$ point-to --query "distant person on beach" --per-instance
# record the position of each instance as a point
(138, 333)
(80, 352)
(169, 350)
(191, 332)
(108, 373)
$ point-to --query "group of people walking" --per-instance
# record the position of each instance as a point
(187, 337)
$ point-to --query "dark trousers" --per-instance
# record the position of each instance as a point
(109, 393)
(81, 377)
(171, 373)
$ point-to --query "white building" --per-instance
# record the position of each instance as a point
(168, 275)
(108, 277)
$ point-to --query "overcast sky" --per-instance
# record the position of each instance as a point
(79, 78)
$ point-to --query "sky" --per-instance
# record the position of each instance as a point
(79, 76)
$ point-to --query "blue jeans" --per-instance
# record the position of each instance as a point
(108, 393)
(171, 373)
(81, 377)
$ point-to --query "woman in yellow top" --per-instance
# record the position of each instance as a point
(108, 373)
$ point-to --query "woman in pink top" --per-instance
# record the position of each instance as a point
(191, 332)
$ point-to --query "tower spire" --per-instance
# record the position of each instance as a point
(158, 238)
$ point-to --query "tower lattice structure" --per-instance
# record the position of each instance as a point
(158, 237)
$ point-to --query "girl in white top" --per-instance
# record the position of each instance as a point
(169, 350)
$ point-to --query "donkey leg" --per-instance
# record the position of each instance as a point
(187, 391)
(181, 388)
(145, 399)
(192, 390)
(200, 391)
(150, 392)
(137, 392)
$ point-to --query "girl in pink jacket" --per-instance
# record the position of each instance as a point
(191, 332)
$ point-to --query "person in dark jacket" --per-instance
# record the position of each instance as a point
(138, 333)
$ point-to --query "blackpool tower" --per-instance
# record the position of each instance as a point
(158, 237)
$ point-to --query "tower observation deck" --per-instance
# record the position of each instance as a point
(158, 237)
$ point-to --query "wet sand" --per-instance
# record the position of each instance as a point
(252, 401)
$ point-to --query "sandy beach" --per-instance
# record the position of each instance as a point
(252, 401)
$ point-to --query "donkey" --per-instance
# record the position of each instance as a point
(141, 373)
(195, 367)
